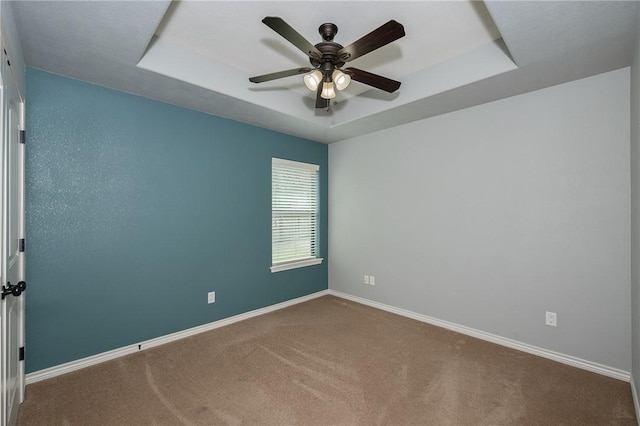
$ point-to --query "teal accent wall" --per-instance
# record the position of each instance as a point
(136, 209)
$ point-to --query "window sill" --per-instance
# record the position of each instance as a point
(297, 264)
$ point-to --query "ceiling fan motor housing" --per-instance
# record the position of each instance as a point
(329, 49)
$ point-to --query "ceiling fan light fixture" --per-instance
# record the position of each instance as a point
(328, 90)
(341, 79)
(312, 80)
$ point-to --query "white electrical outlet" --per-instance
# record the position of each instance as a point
(366, 279)
(372, 280)
(551, 318)
(211, 297)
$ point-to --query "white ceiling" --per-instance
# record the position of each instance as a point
(200, 54)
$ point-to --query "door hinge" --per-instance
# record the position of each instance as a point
(22, 136)
(21, 245)
(21, 354)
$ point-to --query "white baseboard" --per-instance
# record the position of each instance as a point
(68, 367)
(634, 393)
(493, 338)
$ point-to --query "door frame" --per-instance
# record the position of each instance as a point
(8, 415)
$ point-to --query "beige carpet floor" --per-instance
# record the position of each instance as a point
(329, 362)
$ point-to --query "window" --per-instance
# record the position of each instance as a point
(294, 214)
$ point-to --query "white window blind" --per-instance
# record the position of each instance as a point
(294, 214)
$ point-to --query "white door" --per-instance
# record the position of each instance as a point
(12, 259)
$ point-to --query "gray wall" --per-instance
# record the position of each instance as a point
(489, 216)
(635, 211)
(13, 45)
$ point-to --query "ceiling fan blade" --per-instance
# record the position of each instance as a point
(375, 80)
(285, 30)
(377, 38)
(279, 74)
(320, 101)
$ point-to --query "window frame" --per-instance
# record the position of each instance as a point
(296, 263)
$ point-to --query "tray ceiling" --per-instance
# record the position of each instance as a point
(200, 54)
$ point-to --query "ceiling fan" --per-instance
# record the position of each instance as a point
(328, 57)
